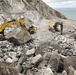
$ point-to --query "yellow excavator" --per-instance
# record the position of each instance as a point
(58, 27)
(20, 22)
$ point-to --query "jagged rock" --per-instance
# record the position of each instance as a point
(5, 57)
(30, 72)
(75, 73)
(12, 54)
(21, 74)
(36, 5)
(18, 68)
(62, 56)
(18, 36)
(54, 61)
(64, 73)
(70, 60)
(46, 58)
(36, 59)
(59, 74)
(14, 59)
(30, 52)
(72, 71)
(45, 71)
(27, 63)
(7, 70)
(9, 60)
(47, 55)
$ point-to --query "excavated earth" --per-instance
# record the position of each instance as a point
(48, 53)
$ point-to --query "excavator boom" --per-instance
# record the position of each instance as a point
(20, 22)
(9, 24)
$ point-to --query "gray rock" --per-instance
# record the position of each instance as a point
(42, 64)
(12, 54)
(5, 50)
(64, 42)
(29, 72)
(18, 68)
(5, 57)
(30, 52)
(36, 59)
(59, 74)
(75, 73)
(72, 71)
(18, 53)
(70, 60)
(27, 63)
(64, 73)
(9, 60)
(54, 61)
(45, 71)
(18, 36)
(5, 69)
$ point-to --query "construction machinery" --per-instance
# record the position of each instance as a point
(20, 22)
(58, 27)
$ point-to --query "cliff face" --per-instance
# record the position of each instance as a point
(18, 6)
(44, 9)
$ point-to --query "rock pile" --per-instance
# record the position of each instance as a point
(33, 63)
(48, 54)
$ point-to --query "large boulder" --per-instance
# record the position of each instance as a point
(54, 61)
(18, 36)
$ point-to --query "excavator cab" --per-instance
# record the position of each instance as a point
(58, 27)
(32, 29)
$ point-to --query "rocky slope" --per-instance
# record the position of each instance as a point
(17, 6)
(48, 53)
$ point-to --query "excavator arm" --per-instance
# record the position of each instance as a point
(9, 24)
(31, 29)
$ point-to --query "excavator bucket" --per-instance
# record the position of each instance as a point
(2, 37)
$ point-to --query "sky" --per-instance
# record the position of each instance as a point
(61, 3)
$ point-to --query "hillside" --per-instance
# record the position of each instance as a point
(19, 6)
(42, 53)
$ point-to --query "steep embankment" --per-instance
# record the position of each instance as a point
(18, 6)
(49, 53)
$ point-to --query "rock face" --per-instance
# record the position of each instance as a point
(54, 61)
(44, 9)
(72, 71)
(70, 60)
(36, 5)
